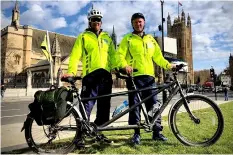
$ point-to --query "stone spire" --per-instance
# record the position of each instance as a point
(168, 19)
(183, 16)
(15, 16)
(114, 37)
(189, 21)
(169, 24)
(56, 50)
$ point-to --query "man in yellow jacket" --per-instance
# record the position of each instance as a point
(96, 49)
(138, 50)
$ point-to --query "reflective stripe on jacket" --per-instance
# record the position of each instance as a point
(95, 52)
(140, 53)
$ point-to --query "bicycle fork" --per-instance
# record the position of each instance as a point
(186, 106)
(191, 115)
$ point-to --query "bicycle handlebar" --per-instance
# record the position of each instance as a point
(178, 67)
(125, 75)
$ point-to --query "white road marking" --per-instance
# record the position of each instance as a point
(10, 109)
(13, 116)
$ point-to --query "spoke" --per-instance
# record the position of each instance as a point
(64, 133)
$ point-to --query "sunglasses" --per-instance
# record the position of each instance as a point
(95, 19)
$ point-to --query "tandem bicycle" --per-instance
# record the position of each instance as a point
(187, 117)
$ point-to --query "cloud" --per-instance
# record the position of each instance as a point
(4, 20)
(69, 8)
(79, 24)
(7, 5)
(119, 14)
(41, 16)
(56, 23)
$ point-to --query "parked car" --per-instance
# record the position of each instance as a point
(207, 89)
(194, 87)
(218, 89)
(190, 90)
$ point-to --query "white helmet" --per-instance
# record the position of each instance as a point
(94, 13)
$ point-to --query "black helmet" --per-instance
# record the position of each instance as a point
(137, 15)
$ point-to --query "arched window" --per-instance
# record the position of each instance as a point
(17, 59)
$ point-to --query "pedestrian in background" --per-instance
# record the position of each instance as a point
(2, 90)
(226, 93)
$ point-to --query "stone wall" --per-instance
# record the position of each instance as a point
(19, 92)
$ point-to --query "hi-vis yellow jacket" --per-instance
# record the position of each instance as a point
(96, 52)
(140, 53)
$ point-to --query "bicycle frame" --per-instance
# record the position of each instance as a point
(147, 125)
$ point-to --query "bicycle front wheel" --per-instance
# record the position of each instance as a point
(201, 133)
(56, 139)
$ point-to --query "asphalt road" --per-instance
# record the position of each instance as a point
(16, 111)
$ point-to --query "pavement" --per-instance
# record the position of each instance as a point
(12, 130)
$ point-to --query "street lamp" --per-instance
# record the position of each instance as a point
(161, 28)
(213, 77)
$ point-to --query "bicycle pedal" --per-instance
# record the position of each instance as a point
(102, 138)
(146, 127)
(80, 144)
(147, 130)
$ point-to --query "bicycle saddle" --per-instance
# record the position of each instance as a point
(71, 79)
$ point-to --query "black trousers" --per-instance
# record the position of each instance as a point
(142, 82)
(95, 84)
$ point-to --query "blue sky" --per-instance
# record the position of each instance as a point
(212, 23)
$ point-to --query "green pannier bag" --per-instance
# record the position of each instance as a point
(49, 106)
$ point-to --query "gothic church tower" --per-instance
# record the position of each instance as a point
(16, 45)
(182, 31)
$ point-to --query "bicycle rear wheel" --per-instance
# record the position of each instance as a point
(204, 133)
(63, 135)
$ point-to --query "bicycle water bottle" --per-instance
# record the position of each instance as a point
(154, 109)
(120, 108)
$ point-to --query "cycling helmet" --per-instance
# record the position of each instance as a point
(137, 15)
(94, 13)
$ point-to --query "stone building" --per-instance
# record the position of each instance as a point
(182, 31)
(21, 51)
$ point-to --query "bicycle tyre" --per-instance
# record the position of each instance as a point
(177, 114)
(38, 148)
